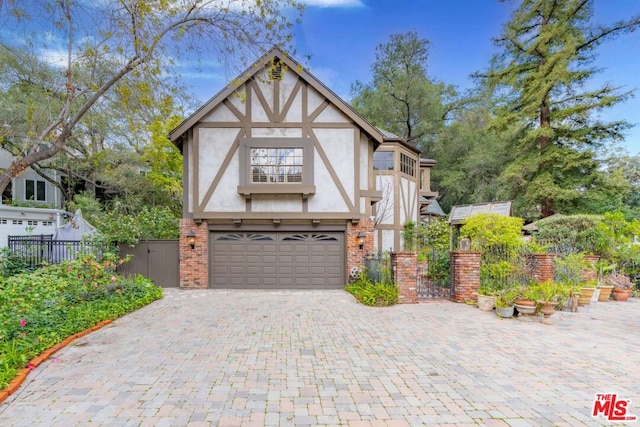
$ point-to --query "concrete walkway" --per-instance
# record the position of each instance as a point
(254, 358)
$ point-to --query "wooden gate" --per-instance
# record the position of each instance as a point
(157, 260)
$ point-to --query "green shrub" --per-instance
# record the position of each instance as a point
(40, 309)
(373, 294)
(573, 233)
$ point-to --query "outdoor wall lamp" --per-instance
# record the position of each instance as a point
(361, 237)
(191, 239)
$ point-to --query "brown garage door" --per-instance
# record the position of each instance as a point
(277, 260)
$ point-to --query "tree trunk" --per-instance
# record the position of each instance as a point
(546, 204)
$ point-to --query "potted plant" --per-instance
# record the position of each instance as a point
(603, 266)
(547, 294)
(622, 286)
(486, 296)
(505, 299)
(526, 302)
(586, 292)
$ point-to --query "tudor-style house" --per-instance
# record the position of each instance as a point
(279, 183)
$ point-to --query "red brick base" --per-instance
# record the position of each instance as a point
(405, 266)
(465, 275)
(355, 255)
(194, 263)
(542, 266)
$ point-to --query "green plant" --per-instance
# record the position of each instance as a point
(409, 236)
(40, 309)
(373, 293)
(507, 296)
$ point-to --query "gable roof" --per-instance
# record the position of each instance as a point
(373, 132)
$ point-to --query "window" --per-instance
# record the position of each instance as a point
(32, 223)
(383, 160)
(407, 164)
(3, 221)
(47, 223)
(275, 165)
(16, 222)
(35, 190)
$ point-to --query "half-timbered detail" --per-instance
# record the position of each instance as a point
(396, 165)
(279, 169)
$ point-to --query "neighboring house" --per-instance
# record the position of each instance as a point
(279, 183)
(22, 221)
(29, 187)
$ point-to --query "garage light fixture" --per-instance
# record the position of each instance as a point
(361, 236)
(191, 239)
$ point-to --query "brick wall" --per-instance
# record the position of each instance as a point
(542, 266)
(355, 255)
(405, 267)
(590, 273)
(465, 275)
(194, 263)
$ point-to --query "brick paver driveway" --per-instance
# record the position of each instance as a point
(318, 358)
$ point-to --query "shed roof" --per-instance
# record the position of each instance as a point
(461, 212)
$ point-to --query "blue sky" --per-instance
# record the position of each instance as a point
(341, 37)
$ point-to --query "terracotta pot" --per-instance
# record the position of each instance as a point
(585, 296)
(547, 308)
(621, 294)
(527, 310)
(526, 302)
(605, 292)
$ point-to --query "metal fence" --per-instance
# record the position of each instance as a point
(434, 276)
(378, 267)
(38, 250)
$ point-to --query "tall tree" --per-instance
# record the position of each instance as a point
(401, 98)
(545, 66)
(112, 52)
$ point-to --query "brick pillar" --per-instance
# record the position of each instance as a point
(465, 275)
(405, 267)
(194, 263)
(542, 267)
(355, 255)
(590, 273)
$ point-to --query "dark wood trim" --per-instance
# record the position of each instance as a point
(314, 115)
(186, 208)
(223, 167)
(335, 216)
(356, 169)
(332, 172)
(195, 195)
(234, 110)
(289, 102)
(282, 227)
(282, 125)
(277, 117)
(280, 188)
(262, 99)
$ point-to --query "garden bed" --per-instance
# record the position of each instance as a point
(39, 310)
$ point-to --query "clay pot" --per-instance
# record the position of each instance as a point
(486, 302)
(605, 292)
(621, 294)
(585, 296)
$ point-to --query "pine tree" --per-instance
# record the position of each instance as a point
(543, 72)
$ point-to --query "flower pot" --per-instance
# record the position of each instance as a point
(621, 294)
(504, 311)
(547, 308)
(605, 292)
(486, 302)
(526, 310)
(585, 296)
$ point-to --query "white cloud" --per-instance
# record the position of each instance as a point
(334, 3)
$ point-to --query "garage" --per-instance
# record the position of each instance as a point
(276, 260)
